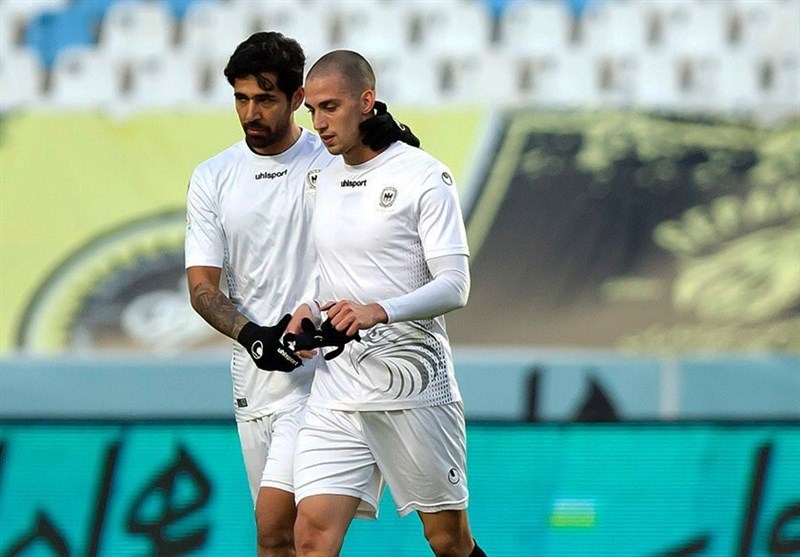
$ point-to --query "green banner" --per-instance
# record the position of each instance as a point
(560, 490)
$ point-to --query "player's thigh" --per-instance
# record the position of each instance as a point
(333, 458)
(421, 453)
(254, 439)
(278, 470)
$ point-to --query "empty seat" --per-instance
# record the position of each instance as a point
(407, 80)
(20, 80)
(372, 32)
(488, 79)
(50, 32)
(449, 28)
(211, 30)
(82, 77)
(535, 28)
(307, 23)
(169, 80)
(616, 28)
(136, 30)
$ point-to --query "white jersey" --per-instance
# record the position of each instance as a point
(250, 215)
(375, 225)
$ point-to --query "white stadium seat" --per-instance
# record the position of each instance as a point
(20, 80)
(381, 31)
(83, 77)
(134, 30)
(170, 80)
(308, 23)
(539, 28)
(212, 29)
(407, 80)
(450, 28)
(489, 78)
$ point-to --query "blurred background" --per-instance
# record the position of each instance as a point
(630, 355)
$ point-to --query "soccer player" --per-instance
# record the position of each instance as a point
(393, 258)
(248, 212)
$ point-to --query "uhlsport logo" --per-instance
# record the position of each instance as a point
(271, 175)
(353, 183)
(257, 349)
(453, 476)
(388, 195)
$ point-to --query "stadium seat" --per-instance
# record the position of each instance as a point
(211, 29)
(696, 29)
(308, 23)
(617, 28)
(539, 28)
(380, 31)
(169, 80)
(20, 80)
(488, 79)
(49, 32)
(449, 28)
(136, 30)
(82, 77)
(407, 80)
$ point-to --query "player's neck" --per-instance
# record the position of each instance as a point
(360, 154)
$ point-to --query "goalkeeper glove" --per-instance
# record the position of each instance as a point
(327, 335)
(382, 130)
(264, 346)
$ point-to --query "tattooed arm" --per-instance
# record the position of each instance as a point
(212, 305)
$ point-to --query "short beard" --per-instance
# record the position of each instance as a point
(271, 137)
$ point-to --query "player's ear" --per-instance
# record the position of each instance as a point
(367, 102)
(297, 98)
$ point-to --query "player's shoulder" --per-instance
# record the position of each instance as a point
(421, 163)
(222, 160)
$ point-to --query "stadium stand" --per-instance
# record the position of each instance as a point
(686, 55)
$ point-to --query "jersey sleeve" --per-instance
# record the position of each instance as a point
(441, 224)
(205, 239)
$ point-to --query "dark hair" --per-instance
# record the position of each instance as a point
(268, 51)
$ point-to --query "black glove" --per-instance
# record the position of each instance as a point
(382, 130)
(312, 338)
(265, 347)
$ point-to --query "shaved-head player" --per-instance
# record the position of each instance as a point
(393, 258)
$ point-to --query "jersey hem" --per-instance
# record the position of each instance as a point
(376, 406)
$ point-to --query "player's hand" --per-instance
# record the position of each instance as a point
(310, 337)
(295, 327)
(264, 346)
(350, 317)
(382, 130)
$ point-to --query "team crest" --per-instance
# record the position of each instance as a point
(388, 195)
(311, 181)
(447, 179)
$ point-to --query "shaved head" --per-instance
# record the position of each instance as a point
(351, 67)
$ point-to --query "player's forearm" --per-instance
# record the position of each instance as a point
(448, 290)
(217, 309)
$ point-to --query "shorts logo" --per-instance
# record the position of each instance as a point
(241, 402)
(447, 179)
(388, 195)
(257, 349)
(453, 476)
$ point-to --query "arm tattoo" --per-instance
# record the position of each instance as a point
(218, 310)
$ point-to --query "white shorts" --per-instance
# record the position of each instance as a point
(420, 453)
(268, 445)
